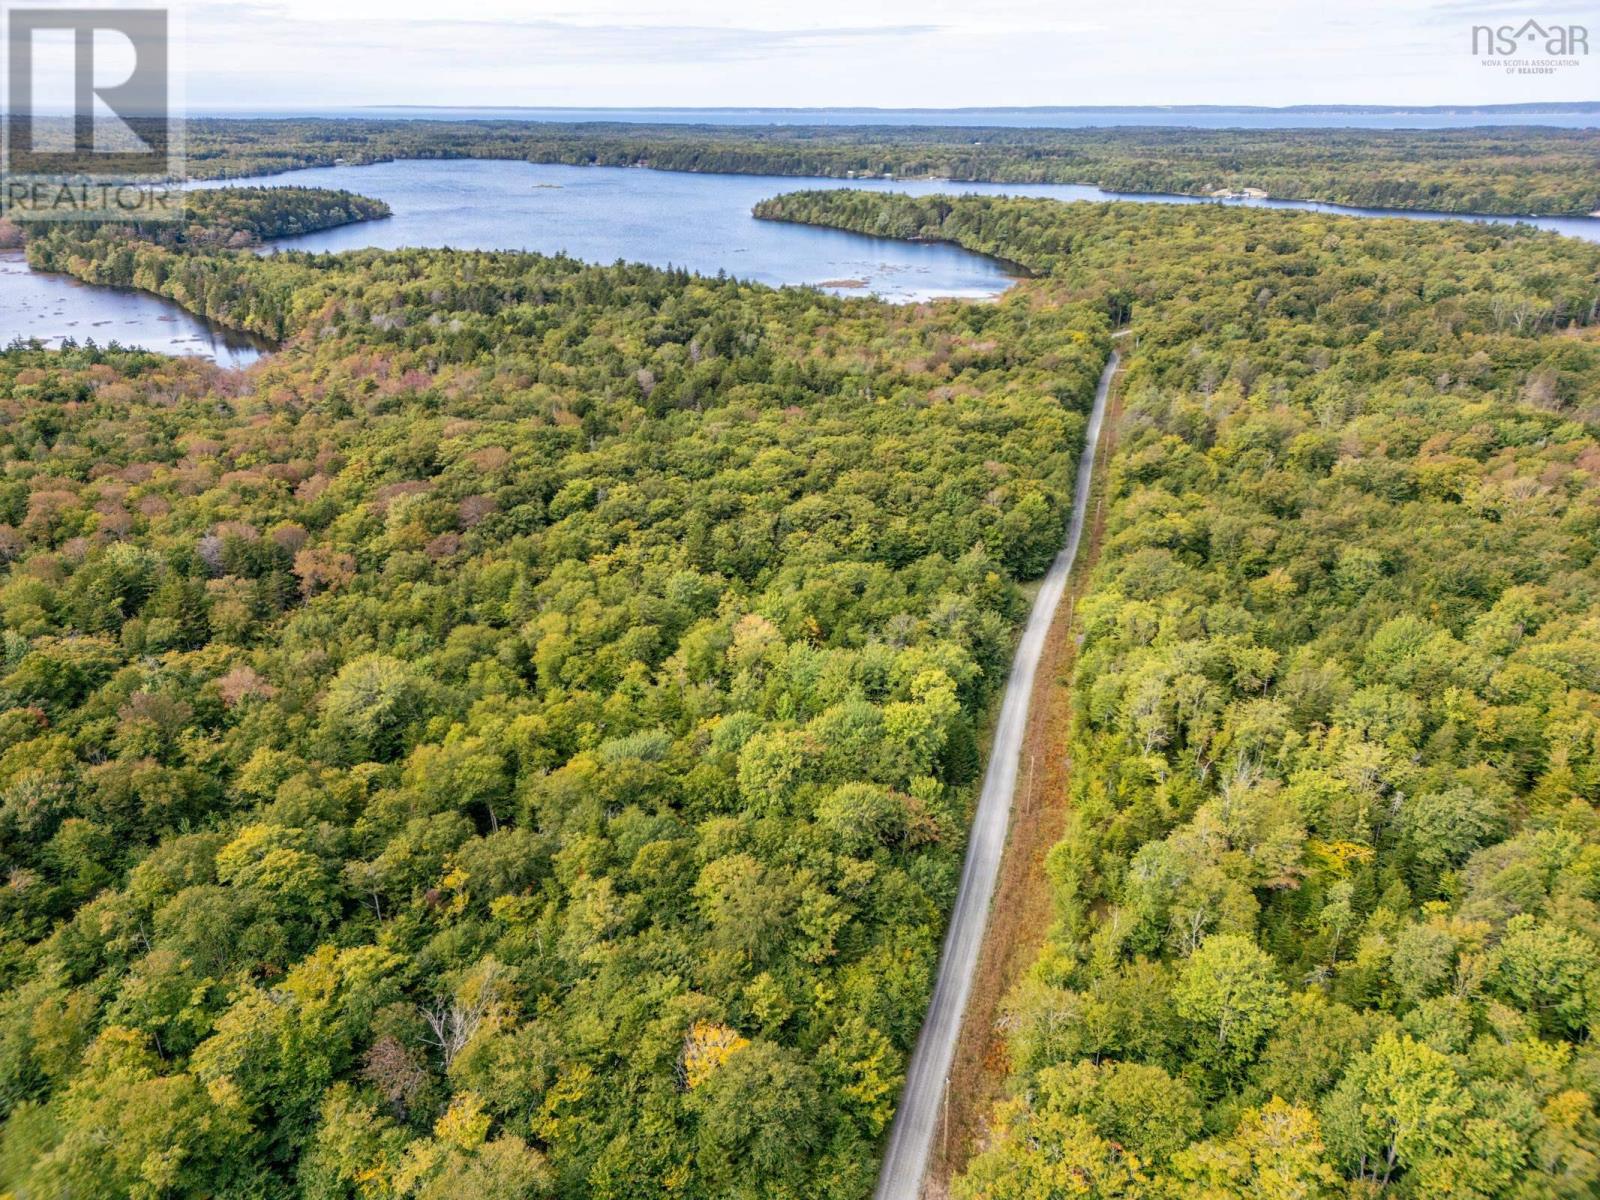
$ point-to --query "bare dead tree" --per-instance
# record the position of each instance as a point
(454, 1021)
(453, 1025)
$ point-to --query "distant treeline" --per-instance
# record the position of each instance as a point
(1487, 170)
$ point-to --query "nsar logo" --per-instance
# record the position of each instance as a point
(1531, 37)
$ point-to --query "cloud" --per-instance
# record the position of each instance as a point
(1447, 12)
(466, 41)
(889, 53)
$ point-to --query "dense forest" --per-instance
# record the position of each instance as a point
(236, 217)
(1503, 170)
(227, 218)
(1329, 904)
(515, 741)
(230, 289)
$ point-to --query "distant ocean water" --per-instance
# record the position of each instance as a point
(1581, 115)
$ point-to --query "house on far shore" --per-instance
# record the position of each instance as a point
(1239, 194)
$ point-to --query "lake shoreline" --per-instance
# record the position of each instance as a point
(699, 221)
(1104, 195)
(212, 340)
(646, 164)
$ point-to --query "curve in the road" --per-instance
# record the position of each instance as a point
(911, 1137)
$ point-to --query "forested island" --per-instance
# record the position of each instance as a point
(1515, 171)
(518, 739)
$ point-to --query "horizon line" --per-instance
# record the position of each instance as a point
(1542, 106)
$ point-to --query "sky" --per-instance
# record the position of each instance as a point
(276, 54)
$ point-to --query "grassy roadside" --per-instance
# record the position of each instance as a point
(1022, 910)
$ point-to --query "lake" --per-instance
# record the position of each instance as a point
(665, 218)
(699, 221)
(601, 214)
(53, 308)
